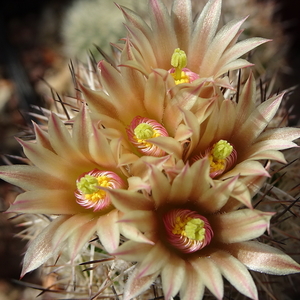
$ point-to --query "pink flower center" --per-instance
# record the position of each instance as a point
(89, 193)
(141, 130)
(179, 72)
(222, 156)
(186, 230)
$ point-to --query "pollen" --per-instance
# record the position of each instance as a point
(191, 228)
(221, 150)
(89, 193)
(144, 131)
(140, 130)
(179, 72)
(186, 230)
(218, 155)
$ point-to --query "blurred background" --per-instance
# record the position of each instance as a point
(38, 39)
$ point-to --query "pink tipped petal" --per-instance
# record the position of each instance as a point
(241, 48)
(137, 285)
(66, 229)
(106, 159)
(192, 286)
(172, 276)
(154, 260)
(31, 178)
(236, 273)
(242, 194)
(80, 237)
(154, 83)
(204, 32)
(217, 196)
(46, 202)
(218, 46)
(134, 234)
(125, 200)
(82, 129)
(60, 137)
(284, 134)
(132, 251)
(142, 220)
(108, 230)
(234, 65)
(181, 192)
(211, 277)
(247, 168)
(182, 22)
(162, 186)
(258, 120)
(47, 161)
(161, 25)
(40, 249)
(240, 225)
(264, 258)
(168, 144)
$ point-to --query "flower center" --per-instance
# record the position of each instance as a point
(140, 130)
(179, 72)
(145, 131)
(221, 155)
(218, 156)
(89, 193)
(187, 230)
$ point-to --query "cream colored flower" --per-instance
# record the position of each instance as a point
(193, 240)
(234, 134)
(187, 48)
(67, 173)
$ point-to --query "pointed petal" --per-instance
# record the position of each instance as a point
(182, 22)
(204, 32)
(132, 251)
(161, 186)
(47, 202)
(154, 260)
(240, 225)
(80, 237)
(217, 196)
(142, 220)
(136, 285)
(211, 278)
(125, 200)
(66, 229)
(236, 273)
(172, 276)
(40, 249)
(31, 178)
(192, 286)
(263, 258)
(108, 230)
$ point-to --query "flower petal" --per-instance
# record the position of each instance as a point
(108, 230)
(210, 275)
(136, 285)
(192, 286)
(263, 258)
(40, 249)
(31, 178)
(47, 202)
(236, 273)
(172, 276)
(240, 225)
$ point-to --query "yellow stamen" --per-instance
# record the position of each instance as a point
(179, 61)
(144, 131)
(221, 150)
(89, 186)
(195, 229)
(191, 228)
